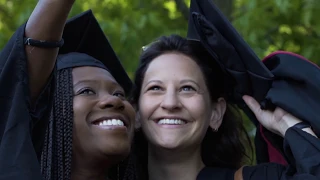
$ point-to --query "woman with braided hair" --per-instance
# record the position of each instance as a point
(64, 108)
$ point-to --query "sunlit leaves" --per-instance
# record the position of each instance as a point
(267, 25)
(171, 6)
(270, 25)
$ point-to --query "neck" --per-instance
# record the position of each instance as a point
(83, 173)
(90, 168)
(174, 164)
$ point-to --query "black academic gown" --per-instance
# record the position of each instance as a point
(22, 127)
(302, 151)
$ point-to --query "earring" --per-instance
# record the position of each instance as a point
(215, 129)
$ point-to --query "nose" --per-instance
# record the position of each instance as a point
(111, 102)
(170, 101)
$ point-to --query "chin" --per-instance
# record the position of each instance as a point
(120, 149)
(168, 143)
(168, 146)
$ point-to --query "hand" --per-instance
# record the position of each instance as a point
(278, 121)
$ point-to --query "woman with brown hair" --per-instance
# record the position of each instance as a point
(189, 129)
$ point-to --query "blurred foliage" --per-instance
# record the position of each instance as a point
(270, 25)
(267, 25)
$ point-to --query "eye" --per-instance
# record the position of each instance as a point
(154, 88)
(86, 91)
(187, 88)
(119, 94)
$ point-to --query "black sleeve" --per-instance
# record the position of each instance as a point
(302, 151)
(20, 127)
(210, 173)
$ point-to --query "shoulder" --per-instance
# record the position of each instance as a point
(265, 170)
(208, 173)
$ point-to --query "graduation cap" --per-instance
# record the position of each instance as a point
(245, 73)
(85, 44)
(283, 79)
(296, 89)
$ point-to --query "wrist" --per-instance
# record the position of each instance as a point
(283, 129)
(287, 122)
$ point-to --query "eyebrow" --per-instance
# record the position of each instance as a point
(155, 81)
(181, 82)
(83, 81)
(93, 81)
(189, 80)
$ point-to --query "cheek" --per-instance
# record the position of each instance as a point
(198, 108)
(81, 131)
(81, 109)
(78, 108)
(146, 106)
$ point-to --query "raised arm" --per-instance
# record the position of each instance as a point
(45, 23)
(301, 148)
(278, 121)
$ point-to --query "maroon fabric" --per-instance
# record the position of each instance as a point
(289, 53)
(274, 155)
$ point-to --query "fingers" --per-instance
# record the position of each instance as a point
(253, 105)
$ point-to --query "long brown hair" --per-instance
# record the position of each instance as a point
(225, 148)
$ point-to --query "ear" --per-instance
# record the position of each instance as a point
(138, 121)
(218, 114)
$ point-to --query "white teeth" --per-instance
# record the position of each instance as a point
(111, 122)
(171, 121)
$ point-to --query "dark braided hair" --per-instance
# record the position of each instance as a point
(56, 155)
(225, 148)
(57, 151)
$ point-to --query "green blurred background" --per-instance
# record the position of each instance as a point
(267, 25)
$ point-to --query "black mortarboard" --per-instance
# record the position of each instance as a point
(285, 79)
(85, 44)
(296, 89)
(246, 73)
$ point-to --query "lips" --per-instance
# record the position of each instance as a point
(171, 121)
(111, 121)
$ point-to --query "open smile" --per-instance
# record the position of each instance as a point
(115, 122)
(109, 122)
(171, 122)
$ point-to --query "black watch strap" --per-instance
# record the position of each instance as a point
(43, 43)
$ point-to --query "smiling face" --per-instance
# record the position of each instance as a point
(175, 107)
(103, 118)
